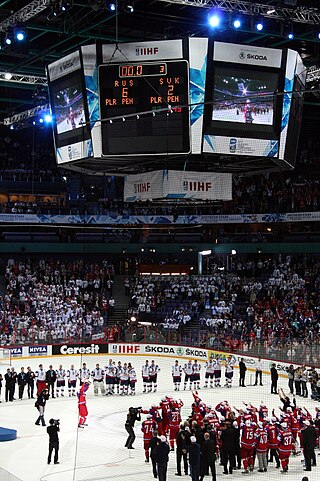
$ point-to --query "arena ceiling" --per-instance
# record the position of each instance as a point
(87, 21)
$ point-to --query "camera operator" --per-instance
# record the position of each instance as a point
(290, 373)
(53, 430)
(134, 414)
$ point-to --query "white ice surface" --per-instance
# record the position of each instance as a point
(230, 115)
(97, 452)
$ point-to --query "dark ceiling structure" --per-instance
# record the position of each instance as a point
(51, 34)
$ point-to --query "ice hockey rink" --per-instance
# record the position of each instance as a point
(97, 452)
(230, 115)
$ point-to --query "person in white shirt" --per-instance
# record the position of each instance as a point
(145, 376)
(84, 373)
(72, 375)
(61, 374)
(217, 371)
(153, 374)
(229, 368)
(209, 374)
(258, 372)
(176, 375)
(196, 375)
(98, 380)
(188, 371)
(132, 379)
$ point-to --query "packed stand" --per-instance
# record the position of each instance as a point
(52, 301)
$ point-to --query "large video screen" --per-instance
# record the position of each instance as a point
(68, 103)
(244, 96)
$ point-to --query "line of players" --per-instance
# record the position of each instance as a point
(118, 378)
(213, 373)
(258, 434)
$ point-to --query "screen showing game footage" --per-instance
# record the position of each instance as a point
(67, 103)
(244, 96)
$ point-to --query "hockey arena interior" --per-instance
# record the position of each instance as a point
(159, 239)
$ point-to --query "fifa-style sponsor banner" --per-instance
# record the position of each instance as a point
(161, 219)
(72, 349)
(76, 151)
(251, 362)
(218, 144)
(143, 186)
(158, 350)
(197, 185)
(198, 50)
(247, 54)
(138, 51)
(37, 351)
(172, 184)
(64, 66)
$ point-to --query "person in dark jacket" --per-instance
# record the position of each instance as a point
(52, 430)
(1, 379)
(208, 456)
(161, 456)
(309, 438)
(274, 379)
(51, 378)
(153, 443)
(228, 448)
(182, 442)
(10, 379)
(22, 381)
(30, 375)
(242, 372)
(40, 404)
(134, 414)
(194, 459)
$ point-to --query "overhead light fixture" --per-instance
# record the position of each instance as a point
(290, 36)
(8, 76)
(214, 20)
(112, 6)
(259, 26)
(237, 23)
(128, 6)
(272, 10)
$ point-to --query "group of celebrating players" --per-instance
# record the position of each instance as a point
(258, 433)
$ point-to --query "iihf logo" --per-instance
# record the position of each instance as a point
(185, 185)
(233, 145)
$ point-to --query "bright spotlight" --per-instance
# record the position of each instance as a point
(129, 7)
(319, 35)
(214, 20)
(20, 36)
(237, 24)
(41, 120)
(290, 36)
(112, 6)
(8, 41)
(259, 26)
(8, 76)
(48, 118)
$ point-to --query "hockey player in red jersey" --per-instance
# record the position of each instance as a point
(247, 446)
(82, 404)
(285, 440)
(148, 426)
(174, 425)
(261, 445)
(165, 408)
(272, 431)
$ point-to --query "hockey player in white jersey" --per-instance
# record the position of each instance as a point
(217, 371)
(145, 376)
(209, 374)
(61, 380)
(196, 375)
(110, 372)
(124, 380)
(84, 374)
(188, 375)
(176, 375)
(72, 375)
(154, 369)
(132, 379)
(98, 380)
(117, 376)
(229, 368)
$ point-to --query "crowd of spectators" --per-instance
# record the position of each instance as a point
(269, 303)
(52, 301)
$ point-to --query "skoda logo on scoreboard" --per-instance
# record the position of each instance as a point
(242, 55)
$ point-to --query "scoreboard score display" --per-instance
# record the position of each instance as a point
(127, 89)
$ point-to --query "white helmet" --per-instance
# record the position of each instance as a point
(248, 423)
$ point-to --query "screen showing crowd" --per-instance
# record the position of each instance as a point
(244, 96)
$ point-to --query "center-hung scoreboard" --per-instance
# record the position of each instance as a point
(170, 98)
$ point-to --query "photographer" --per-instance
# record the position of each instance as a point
(40, 404)
(53, 430)
(134, 414)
